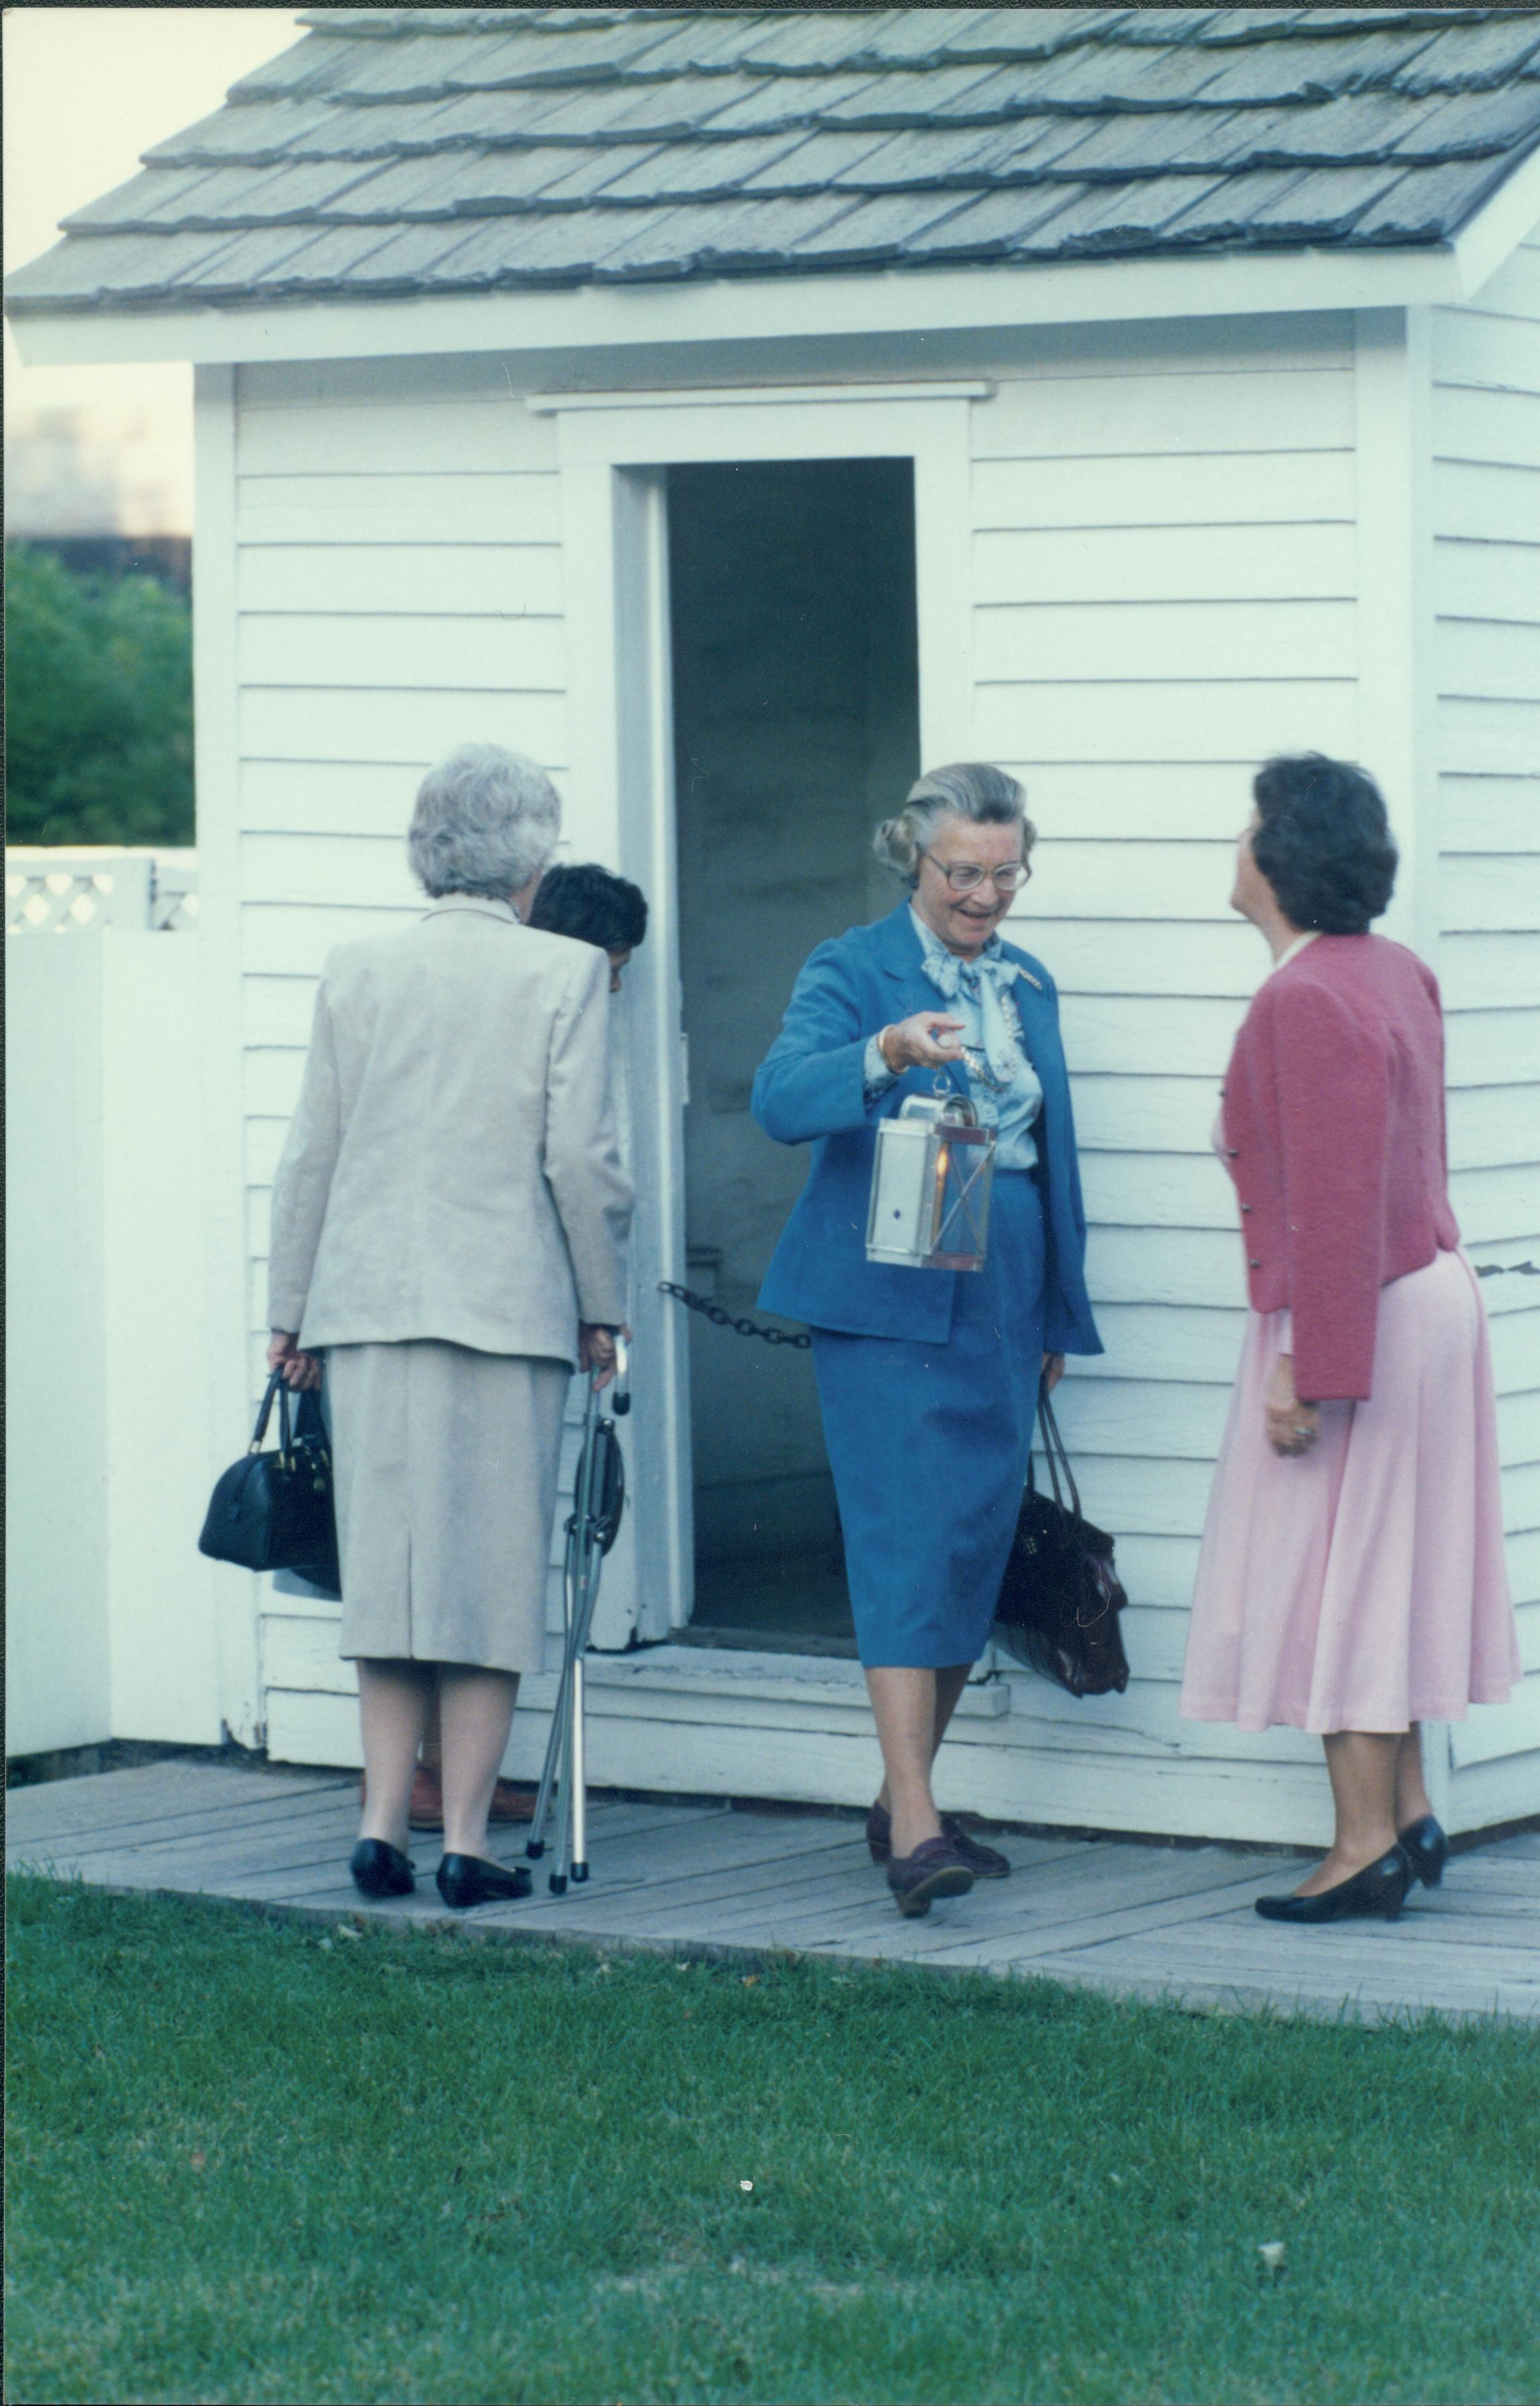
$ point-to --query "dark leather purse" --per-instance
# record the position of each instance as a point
(277, 1511)
(1060, 1597)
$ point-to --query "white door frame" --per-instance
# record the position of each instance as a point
(614, 448)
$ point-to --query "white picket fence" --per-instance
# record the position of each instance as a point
(111, 1628)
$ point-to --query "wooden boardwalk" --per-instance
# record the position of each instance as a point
(1140, 1920)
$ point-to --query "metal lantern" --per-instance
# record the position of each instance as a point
(930, 1186)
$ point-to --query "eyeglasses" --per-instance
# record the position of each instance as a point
(965, 876)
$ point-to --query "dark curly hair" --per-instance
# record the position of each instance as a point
(1324, 845)
(581, 899)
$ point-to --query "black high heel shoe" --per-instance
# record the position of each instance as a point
(1379, 1889)
(465, 1880)
(380, 1870)
(1426, 1848)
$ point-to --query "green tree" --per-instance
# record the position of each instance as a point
(98, 706)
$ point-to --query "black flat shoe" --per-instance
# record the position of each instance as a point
(934, 1869)
(380, 1870)
(1379, 1888)
(465, 1880)
(984, 1862)
(1426, 1848)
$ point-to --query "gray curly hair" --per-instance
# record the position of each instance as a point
(485, 822)
(966, 789)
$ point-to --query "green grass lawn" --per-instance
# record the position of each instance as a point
(255, 2161)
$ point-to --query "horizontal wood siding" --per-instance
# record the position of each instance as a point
(1486, 521)
(1165, 587)
(1165, 591)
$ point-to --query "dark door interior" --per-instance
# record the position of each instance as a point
(796, 728)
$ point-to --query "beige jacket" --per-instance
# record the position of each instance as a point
(451, 1170)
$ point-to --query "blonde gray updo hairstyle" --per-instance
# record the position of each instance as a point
(485, 822)
(967, 790)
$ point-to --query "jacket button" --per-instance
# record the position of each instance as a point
(1246, 1206)
(1233, 1152)
(1253, 1264)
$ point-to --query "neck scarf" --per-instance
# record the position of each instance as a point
(985, 982)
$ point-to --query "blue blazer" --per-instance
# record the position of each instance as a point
(811, 1087)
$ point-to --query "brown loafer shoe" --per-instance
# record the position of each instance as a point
(984, 1862)
(934, 1869)
(511, 1803)
(426, 1809)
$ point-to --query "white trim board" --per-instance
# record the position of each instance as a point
(545, 405)
(786, 307)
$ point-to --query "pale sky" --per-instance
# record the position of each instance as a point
(86, 90)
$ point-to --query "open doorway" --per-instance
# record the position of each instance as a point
(796, 728)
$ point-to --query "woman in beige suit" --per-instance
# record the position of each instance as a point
(449, 1219)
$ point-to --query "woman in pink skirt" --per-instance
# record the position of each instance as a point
(1351, 1578)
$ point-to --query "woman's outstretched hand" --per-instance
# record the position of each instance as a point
(1293, 1427)
(923, 1041)
(299, 1369)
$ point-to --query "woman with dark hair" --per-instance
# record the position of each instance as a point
(1352, 1580)
(928, 1378)
(595, 906)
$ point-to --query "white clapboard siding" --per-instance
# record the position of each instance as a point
(1490, 580)
(1490, 813)
(1093, 643)
(1238, 490)
(1486, 1047)
(1120, 1114)
(1188, 1035)
(1130, 879)
(1165, 592)
(1167, 561)
(1166, 564)
(1491, 971)
(1491, 892)
(1492, 1127)
(393, 725)
(1089, 954)
(405, 508)
(1486, 518)
(1221, 412)
(276, 1010)
(344, 870)
(442, 580)
(288, 649)
(1117, 802)
(1228, 719)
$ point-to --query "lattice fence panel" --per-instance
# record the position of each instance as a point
(94, 890)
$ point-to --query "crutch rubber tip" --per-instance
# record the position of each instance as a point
(535, 1849)
(580, 1873)
(559, 1885)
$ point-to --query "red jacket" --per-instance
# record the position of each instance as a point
(1334, 1124)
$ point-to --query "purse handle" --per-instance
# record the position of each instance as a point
(277, 1385)
(1056, 1457)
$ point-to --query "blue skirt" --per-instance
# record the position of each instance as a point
(928, 1445)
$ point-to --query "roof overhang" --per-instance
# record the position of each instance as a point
(786, 307)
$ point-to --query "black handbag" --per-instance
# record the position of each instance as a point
(1061, 1597)
(277, 1511)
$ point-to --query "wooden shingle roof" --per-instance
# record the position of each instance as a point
(437, 151)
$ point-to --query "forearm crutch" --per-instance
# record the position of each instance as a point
(597, 1502)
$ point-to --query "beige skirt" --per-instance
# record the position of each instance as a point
(446, 1466)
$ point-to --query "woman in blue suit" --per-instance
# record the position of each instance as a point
(927, 1379)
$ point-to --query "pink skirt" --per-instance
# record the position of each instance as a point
(1361, 1586)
